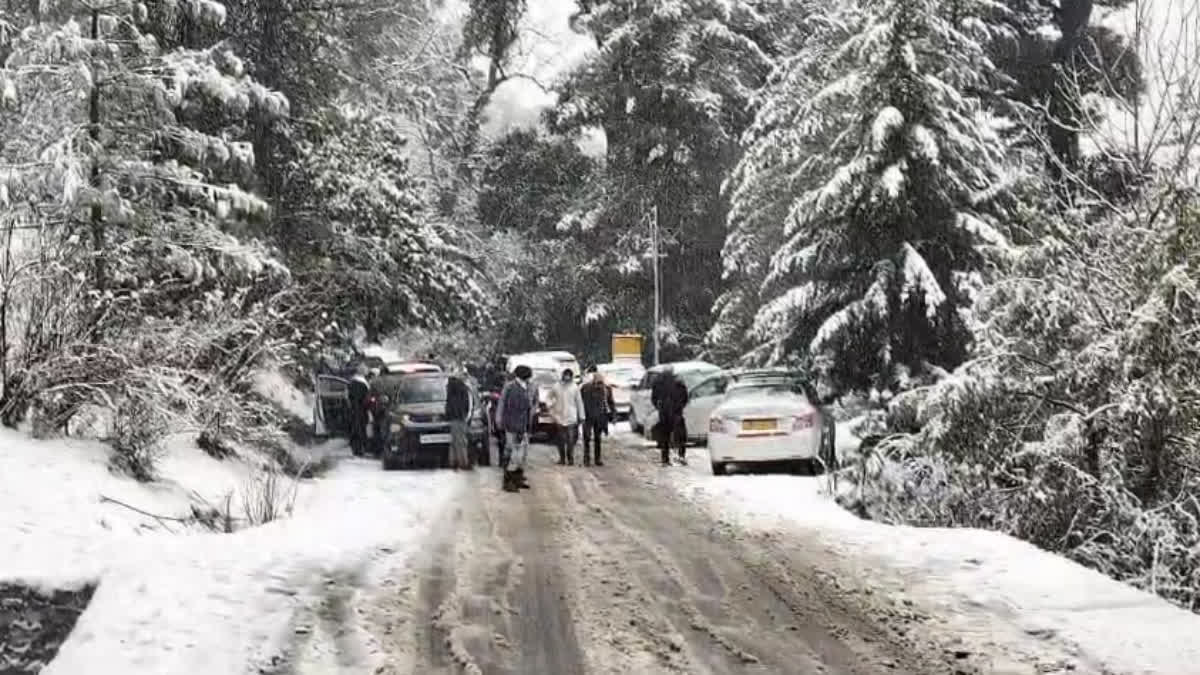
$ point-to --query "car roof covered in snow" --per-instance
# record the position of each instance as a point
(682, 366)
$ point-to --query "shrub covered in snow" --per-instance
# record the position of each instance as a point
(1077, 425)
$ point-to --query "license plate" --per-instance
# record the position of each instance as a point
(760, 425)
(430, 439)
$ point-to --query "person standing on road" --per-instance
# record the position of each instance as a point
(497, 424)
(458, 408)
(517, 408)
(566, 407)
(598, 411)
(358, 390)
(669, 397)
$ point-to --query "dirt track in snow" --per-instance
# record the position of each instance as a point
(595, 570)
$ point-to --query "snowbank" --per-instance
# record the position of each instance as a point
(190, 602)
(275, 387)
(964, 571)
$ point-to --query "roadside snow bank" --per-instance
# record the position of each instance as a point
(964, 571)
(190, 602)
(277, 388)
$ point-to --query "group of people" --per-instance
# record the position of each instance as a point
(586, 410)
(590, 407)
(571, 407)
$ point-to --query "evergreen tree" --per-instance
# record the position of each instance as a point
(377, 257)
(670, 87)
(136, 147)
(895, 167)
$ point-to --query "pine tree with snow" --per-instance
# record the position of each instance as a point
(136, 149)
(894, 168)
(670, 86)
(376, 256)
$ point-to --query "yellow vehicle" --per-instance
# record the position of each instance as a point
(627, 346)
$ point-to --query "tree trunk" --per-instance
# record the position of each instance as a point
(100, 268)
(1063, 107)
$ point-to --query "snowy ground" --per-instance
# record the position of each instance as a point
(181, 601)
(373, 569)
(962, 576)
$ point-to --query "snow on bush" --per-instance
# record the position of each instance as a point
(1076, 426)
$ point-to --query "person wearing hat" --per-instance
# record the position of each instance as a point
(598, 409)
(566, 407)
(517, 408)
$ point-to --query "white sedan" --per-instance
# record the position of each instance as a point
(769, 421)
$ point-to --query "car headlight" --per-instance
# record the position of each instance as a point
(716, 425)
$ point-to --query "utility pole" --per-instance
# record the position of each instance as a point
(657, 278)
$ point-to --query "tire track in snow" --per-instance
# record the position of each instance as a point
(662, 575)
(776, 606)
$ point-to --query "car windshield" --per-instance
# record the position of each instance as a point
(414, 388)
(621, 373)
(545, 377)
(695, 377)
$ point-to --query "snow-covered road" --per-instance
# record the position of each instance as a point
(629, 568)
(611, 570)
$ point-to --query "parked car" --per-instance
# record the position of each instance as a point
(420, 433)
(331, 404)
(771, 417)
(622, 377)
(703, 398)
(642, 415)
(562, 361)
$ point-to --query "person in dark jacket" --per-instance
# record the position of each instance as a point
(517, 406)
(670, 397)
(357, 393)
(497, 425)
(598, 410)
(458, 408)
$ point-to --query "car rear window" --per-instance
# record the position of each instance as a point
(413, 388)
(695, 377)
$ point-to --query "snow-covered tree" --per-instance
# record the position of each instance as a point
(892, 168)
(376, 256)
(128, 160)
(136, 148)
(670, 87)
(759, 187)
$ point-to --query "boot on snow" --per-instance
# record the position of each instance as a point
(510, 482)
(519, 479)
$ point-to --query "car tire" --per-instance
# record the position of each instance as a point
(719, 469)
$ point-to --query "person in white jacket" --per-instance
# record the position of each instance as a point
(566, 407)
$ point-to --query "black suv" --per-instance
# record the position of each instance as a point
(418, 434)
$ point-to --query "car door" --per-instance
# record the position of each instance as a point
(332, 406)
(639, 399)
(702, 399)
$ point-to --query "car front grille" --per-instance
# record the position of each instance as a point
(426, 419)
